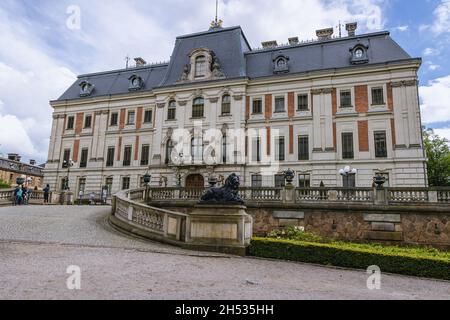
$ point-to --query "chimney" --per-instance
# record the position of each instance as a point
(269, 44)
(32, 162)
(324, 34)
(13, 156)
(293, 41)
(351, 28)
(140, 62)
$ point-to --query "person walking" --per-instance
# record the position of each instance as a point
(16, 190)
(29, 192)
(46, 193)
(24, 195)
(19, 196)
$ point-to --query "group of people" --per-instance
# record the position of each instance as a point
(22, 195)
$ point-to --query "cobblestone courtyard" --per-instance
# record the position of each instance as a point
(37, 244)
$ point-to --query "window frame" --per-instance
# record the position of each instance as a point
(86, 124)
(260, 100)
(114, 116)
(280, 153)
(380, 153)
(348, 154)
(172, 110)
(127, 158)
(307, 102)
(148, 119)
(256, 180)
(200, 66)
(110, 162)
(70, 123)
(303, 156)
(145, 156)
(305, 177)
(350, 98)
(129, 113)
(278, 97)
(198, 109)
(128, 179)
(197, 146)
(226, 105)
(84, 157)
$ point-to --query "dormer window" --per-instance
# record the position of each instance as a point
(281, 64)
(200, 67)
(359, 54)
(86, 88)
(136, 83)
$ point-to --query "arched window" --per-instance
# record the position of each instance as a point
(172, 110)
(200, 66)
(198, 108)
(197, 149)
(169, 149)
(226, 105)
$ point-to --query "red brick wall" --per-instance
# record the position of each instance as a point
(76, 147)
(268, 140)
(361, 99)
(119, 149)
(291, 139)
(122, 118)
(334, 101)
(139, 117)
(247, 108)
(390, 97)
(394, 139)
(363, 133)
(136, 149)
(79, 123)
(268, 110)
(291, 105)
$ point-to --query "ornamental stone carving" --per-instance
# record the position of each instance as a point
(228, 194)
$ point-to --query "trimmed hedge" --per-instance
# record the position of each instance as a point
(407, 261)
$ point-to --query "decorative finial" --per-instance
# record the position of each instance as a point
(216, 24)
(127, 59)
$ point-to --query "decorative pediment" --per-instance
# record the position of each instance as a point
(203, 65)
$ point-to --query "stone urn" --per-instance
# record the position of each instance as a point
(379, 181)
(289, 175)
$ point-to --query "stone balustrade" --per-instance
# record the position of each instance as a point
(225, 228)
(7, 197)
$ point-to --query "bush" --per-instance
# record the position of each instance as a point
(429, 263)
(4, 184)
(295, 233)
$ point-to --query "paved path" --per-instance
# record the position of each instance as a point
(37, 244)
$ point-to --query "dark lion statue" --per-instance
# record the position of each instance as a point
(226, 194)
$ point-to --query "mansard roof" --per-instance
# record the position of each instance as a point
(238, 60)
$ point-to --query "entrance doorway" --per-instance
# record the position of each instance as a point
(195, 181)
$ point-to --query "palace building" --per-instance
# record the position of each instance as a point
(220, 107)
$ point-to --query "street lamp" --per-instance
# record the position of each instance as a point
(67, 164)
(346, 173)
(147, 178)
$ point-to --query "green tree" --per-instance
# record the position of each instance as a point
(438, 153)
(4, 184)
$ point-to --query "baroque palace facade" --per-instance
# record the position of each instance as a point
(220, 107)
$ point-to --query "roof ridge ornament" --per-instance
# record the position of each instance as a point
(216, 23)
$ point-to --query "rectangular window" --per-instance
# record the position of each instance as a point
(66, 158)
(127, 156)
(148, 116)
(346, 99)
(131, 118)
(256, 180)
(114, 119)
(109, 185)
(302, 103)
(110, 157)
(280, 149)
(88, 122)
(377, 96)
(145, 152)
(197, 111)
(303, 148)
(347, 145)
(81, 187)
(84, 158)
(380, 144)
(304, 180)
(125, 183)
(256, 149)
(70, 122)
(279, 181)
(257, 106)
(279, 105)
(349, 181)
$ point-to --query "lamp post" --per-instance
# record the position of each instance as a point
(147, 178)
(68, 164)
(346, 173)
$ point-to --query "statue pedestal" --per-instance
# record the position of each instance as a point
(219, 227)
(66, 198)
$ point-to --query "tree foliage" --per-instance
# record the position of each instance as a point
(438, 153)
(4, 184)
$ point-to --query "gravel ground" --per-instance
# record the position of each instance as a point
(37, 244)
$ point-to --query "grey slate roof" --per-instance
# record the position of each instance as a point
(238, 60)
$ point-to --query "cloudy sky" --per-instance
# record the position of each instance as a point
(43, 46)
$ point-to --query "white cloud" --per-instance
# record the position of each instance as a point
(14, 137)
(443, 133)
(402, 28)
(441, 19)
(435, 101)
(432, 66)
(430, 52)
